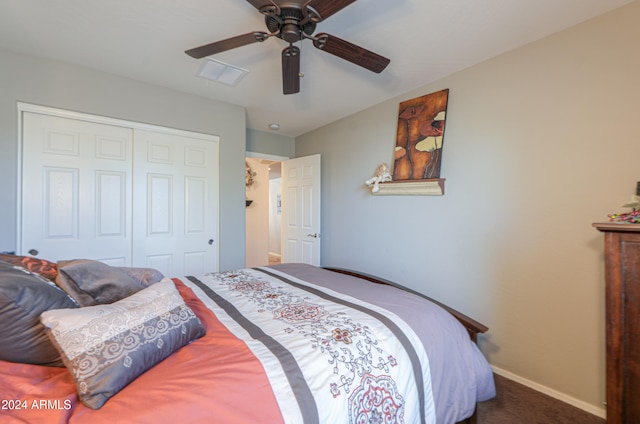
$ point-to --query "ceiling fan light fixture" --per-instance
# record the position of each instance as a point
(293, 21)
(221, 72)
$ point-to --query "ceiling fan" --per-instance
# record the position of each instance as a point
(293, 21)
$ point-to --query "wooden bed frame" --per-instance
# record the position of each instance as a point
(473, 327)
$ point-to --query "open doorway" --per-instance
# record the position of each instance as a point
(263, 210)
(298, 212)
(275, 213)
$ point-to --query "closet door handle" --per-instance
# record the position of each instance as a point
(210, 242)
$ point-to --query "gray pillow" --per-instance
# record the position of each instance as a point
(93, 283)
(23, 297)
(145, 276)
(105, 347)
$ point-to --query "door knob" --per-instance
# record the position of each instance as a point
(313, 235)
(210, 242)
(33, 252)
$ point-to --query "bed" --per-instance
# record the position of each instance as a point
(286, 343)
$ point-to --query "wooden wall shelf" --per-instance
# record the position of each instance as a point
(428, 187)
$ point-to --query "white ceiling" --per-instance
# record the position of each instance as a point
(146, 39)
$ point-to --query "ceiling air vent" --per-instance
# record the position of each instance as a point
(221, 72)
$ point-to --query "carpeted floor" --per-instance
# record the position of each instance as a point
(518, 404)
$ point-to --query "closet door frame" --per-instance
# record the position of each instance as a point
(45, 110)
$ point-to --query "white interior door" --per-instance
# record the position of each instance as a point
(175, 224)
(301, 210)
(76, 189)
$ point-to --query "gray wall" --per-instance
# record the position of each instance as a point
(270, 143)
(49, 83)
(540, 142)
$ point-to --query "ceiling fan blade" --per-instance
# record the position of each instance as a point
(265, 6)
(228, 44)
(351, 52)
(322, 9)
(260, 3)
(291, 70)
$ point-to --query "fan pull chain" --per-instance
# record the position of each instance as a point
(300, 73)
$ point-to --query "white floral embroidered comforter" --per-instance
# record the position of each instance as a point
(330, 357)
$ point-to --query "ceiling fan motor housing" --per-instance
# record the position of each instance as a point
(290, 24)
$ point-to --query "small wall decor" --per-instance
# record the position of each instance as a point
(248, 180)
(381, 175)
(249, 174)
(420, 134)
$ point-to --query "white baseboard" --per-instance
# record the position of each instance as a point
(587, 407)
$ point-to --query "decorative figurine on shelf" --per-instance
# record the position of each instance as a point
(381, 175)
(630, 217)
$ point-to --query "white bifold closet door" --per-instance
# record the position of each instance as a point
(175, 199)
(119, 194)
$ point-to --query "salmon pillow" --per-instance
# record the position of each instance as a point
(47, 269)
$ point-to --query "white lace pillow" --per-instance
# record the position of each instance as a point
(105, 347)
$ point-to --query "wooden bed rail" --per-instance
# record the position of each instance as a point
(473, 327)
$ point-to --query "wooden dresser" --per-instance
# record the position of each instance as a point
(622, 273)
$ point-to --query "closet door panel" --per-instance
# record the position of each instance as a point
(178, 176)
(60, 203)
(111, 208)
(159, 205)
(76, 189)
(195, 205)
